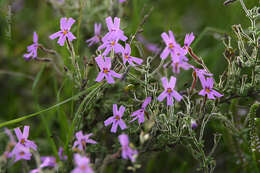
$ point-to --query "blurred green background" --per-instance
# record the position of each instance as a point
(207, 19)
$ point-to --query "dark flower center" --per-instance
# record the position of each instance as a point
(169, 90)
(105, 70)
(117, 117)
(83, 167)
(21, 153)
(126, 56)
(65, 32)
(22, 141)
(171, 46)
(113, 43)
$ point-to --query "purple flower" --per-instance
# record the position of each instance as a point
(207, 84)
(82, 140)
(150, 46)
(65, 25)
(126, 53)
(47, 161)
(109, 44)
(23, 138)
(177, 64)
(61, 154)
(201, 73)
(105, 70)
(121, 1)
(127, 152)
(139, 114)
(96, 39)
(115, 32)
(179, 54)
(187, 41)
(171, 45)
(82, 164)
(21, 152)
(194, 124)
(116, 119)
(169, 91)
(32, 49)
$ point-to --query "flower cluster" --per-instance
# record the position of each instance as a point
(111, 45)
(179, 60)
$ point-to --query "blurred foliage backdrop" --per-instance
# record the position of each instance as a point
(209, 20)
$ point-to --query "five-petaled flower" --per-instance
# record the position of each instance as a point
(97, 37)
(127, 152)
(126, 53)
(64, 33)
(171, 45)
(82, 140)
(207, 84)
(139, 114)
(32, 49)
(169, 91)
(23, 138)
(82, 164)
(105, 70)
(116, 119)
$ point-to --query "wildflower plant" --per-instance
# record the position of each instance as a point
(113, 69)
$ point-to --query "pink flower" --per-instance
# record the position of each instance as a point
(97, 37)
(65, 25)
(82, 140)
(32, 49)
(105, 70)
(115, 32)
(116, 119)
(126, 53)
(201, 73)
(177, 64)
(23, 138)
(61, 154)
(127, 152)
(82, 164)
(207, 85)
(21, 152)
(169, 91)
(121, 1)
(109, 44)
(187, 41)
(171, 45)
(150, 46)
(47, 161)
(139, 114)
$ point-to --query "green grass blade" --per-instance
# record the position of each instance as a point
(14, 121)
